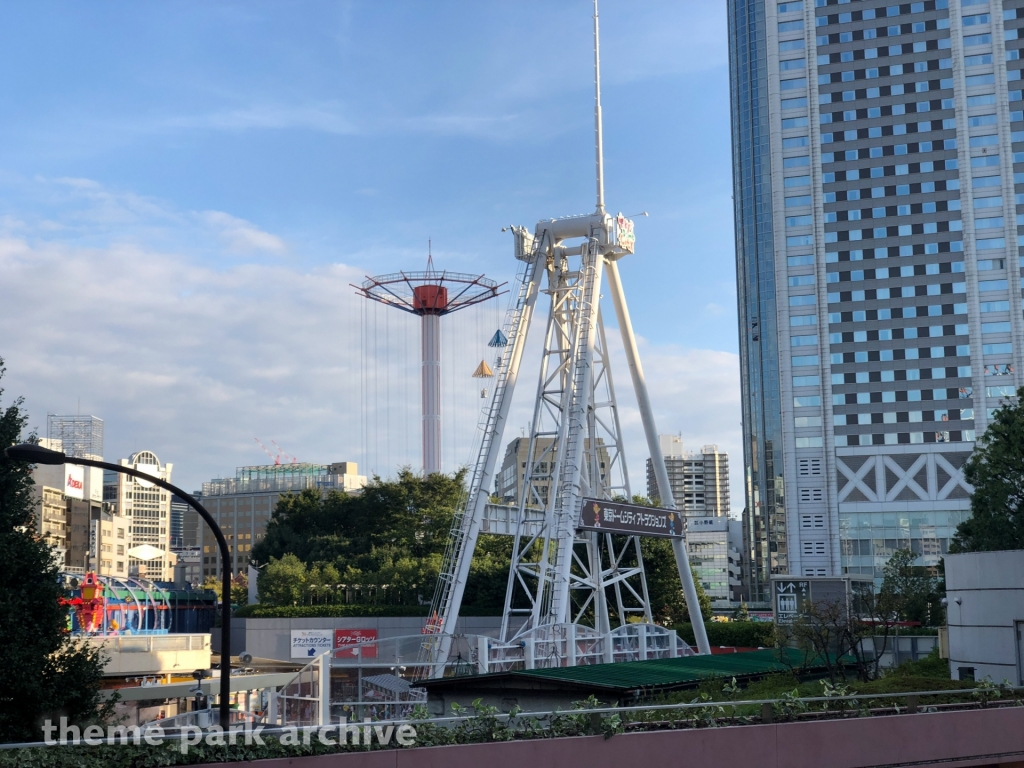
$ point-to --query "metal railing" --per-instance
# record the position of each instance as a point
(694, 714)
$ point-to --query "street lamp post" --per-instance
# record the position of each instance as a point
(36, 454)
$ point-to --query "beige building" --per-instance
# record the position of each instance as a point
(509, 482)
(243, 505)
(71, 515)
(51, 518)
(147, 510)
(700, 480)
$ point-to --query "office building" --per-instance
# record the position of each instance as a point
(178, 509)
(243, 505)
(508, 483)
(71, 513)
(714, 545)
(700, 481)
(878, 272)
(147, 510)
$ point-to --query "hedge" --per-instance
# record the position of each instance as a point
(741, 634)
(343, 611)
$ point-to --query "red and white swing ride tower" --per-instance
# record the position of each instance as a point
(430, 295)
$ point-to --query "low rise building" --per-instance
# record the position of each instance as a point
(510, 480)
(985, 615)
(243, 505)
(713, 544)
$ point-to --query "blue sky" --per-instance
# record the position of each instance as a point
(186, 190)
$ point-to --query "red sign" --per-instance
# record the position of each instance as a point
(346, 639)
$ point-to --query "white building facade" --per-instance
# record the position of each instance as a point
(147, 510)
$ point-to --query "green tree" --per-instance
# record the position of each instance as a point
(386, 544)
(44, 672)
(283, 581)
(996, 470)
(907, 589)
(668, 604)
(702, 597)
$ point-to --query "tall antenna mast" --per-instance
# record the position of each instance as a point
(598, 130)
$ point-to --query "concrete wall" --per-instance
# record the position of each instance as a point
(271, 638)
(985, 591)
(971, 738)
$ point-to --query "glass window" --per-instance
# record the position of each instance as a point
(995, 306)
(974, 80)
(1002, 327)
(988, 202)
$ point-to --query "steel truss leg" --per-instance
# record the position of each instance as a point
(657, 459)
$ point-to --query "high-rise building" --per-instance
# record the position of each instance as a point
(243, 505)
(880, 317)
(80, 436)
(147, 509)
(699, 480)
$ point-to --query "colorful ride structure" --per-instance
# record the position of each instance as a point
(106, 605)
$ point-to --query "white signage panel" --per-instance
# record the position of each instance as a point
(74, 481)
(309, 643)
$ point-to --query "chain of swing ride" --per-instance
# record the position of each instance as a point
(464, 347)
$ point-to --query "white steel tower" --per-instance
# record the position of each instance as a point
(430, 295)
(566, 587)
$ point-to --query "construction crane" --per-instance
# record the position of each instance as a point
(276, 457)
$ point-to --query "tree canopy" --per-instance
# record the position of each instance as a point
(996, 470)
(385, 547)
(44, 673)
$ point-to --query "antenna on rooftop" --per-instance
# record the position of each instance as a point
(598, 129)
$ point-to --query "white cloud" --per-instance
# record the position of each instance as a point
(193, 361)
(241, 235)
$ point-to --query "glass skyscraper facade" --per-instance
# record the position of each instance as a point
(877, 259)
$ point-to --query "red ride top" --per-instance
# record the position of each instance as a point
(430, 299)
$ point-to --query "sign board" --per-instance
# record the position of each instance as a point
(791, 598)
(92, 561)
(346, 639)
(615, 517)
(625, 236)
(310, 643)
(74, 481)
(707, 524)
(150, 469)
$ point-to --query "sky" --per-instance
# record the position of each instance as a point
(188, 191)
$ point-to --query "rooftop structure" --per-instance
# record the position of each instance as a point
(278, 478)
(80, 436)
